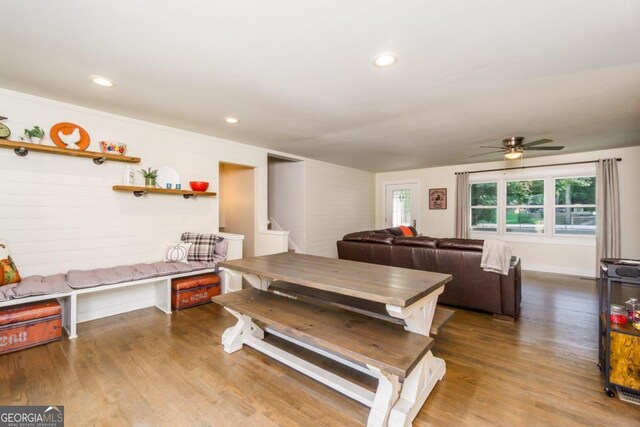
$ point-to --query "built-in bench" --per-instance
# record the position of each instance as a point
(368, 308)
(103, 300)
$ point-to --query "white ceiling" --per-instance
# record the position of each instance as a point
(298, 74)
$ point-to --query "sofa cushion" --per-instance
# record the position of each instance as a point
(422, 241)
(461, 244)
(387, 239)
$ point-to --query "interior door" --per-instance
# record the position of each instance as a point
(401, 205)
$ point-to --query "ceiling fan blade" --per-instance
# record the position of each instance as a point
(484, 154)
(491, 146)
(559, 147)
(538, 142)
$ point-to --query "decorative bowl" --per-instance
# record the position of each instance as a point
(199, 185)
(113, 147)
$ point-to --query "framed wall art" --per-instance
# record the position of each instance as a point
(437, 198)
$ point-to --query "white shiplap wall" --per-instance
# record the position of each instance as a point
(59, 213)
(339, 200)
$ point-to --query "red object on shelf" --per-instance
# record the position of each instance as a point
(199, 185)
(619, 319)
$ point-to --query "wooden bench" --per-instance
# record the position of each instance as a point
(400, 360)
(368, 308)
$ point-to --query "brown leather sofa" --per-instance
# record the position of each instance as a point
(471, 287)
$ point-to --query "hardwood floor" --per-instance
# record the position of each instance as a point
(149, 369)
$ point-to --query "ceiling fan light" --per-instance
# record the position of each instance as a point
(512, 154)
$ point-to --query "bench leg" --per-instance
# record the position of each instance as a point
(234, 337)
(69, 314)
(386, 396)
(415, 390)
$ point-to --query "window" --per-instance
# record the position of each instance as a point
(575, 206)
(538, 206)
(484, 206)
(525, 206)
(401, 211)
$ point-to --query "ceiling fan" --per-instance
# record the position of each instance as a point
(513, 147)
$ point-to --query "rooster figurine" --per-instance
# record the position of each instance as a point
(72, 139)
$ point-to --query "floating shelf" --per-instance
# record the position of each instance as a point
(22, 148)
(139, 191)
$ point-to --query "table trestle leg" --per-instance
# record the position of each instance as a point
(419, 315)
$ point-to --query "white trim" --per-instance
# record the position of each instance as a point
(415, 182)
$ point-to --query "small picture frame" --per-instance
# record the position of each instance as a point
(437, 198)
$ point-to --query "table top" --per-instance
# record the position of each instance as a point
(381, 283)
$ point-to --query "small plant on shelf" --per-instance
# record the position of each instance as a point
(150, 176)
(35, 134)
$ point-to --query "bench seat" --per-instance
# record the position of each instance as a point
(362, 339)
(368, 308)
(82, 279)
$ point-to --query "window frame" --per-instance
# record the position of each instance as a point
(577, 205)
(496, 207)
(542, 206)
(549, 208)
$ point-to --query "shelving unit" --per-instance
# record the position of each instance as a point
(619, 349)
(140, 191)
(22, 148)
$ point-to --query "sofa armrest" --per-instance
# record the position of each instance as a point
(511, 290)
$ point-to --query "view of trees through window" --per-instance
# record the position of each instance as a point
(572, 210)
(575, 205)
(525, 206)
(484, 206)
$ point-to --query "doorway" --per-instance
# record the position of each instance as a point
(402, 204)
(237, 204)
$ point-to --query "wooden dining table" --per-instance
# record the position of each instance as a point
(408, 296)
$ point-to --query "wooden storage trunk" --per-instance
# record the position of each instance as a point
(194, 290)
(29, 325)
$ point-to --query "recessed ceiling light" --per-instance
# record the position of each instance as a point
(231, 120)
(385, 59)
(102, 81)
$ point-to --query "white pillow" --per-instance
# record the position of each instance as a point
(177, 252)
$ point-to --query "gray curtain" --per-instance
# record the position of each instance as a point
(462, 205)
(607, 211)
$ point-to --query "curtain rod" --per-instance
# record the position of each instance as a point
(536, 166)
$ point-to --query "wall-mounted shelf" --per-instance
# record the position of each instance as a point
(22, 149)
(140, 191)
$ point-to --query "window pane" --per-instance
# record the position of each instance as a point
(484, 219)
(572, 191)
(576, 221)
(485, 194)
(525, 220)
(525, 192)
(401, 202)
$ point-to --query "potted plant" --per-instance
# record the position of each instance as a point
(35, 134)
(150, 176)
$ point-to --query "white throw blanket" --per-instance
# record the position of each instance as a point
(496, 256)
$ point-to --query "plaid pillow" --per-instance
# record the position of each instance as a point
(203, 246)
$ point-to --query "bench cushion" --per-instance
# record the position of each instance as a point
(80, 279)
(355, 337)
